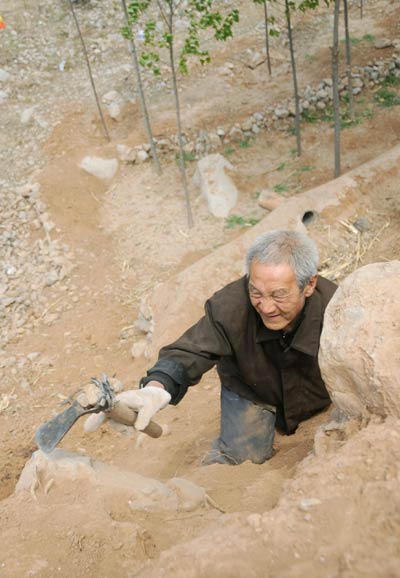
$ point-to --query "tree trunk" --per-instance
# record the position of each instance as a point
(142, 100)
(361, 8)
(182, 164)
(103, 122)
(294, 75)
(335, 86)
(267, 37)
(348, 60)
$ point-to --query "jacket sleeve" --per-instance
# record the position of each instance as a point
(183, 362)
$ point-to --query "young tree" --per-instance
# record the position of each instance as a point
(289, 5)
(348, 60)
(131, 16)
(303, 6)
(160, 34)
(268, 31)
(335, 85)
(103, 122)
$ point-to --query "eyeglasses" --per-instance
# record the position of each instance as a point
(278, 296)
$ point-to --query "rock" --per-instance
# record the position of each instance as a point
(281, 112)
(99, 167)
(190, 495)
(360, 343)
(27, 115)
(254, 59)
(322, 94)
(4, 75)
(306, 503)
(248, 123)
(357, 82)
(112, 96)
(126, 154)
(214, 140)
(145, 320)
(383, 43)
(269, 200)
(142, 156)
(51, 278)
(115, 110)
(235, 133)
(70, 470)
(216, 186)
(3, 95)
(164, 144)
(362, 224)
(139, 349)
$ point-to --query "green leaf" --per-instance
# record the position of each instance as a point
(386, 98)
(238, 221)
(126, 32)
(280, 188)
(136, 8)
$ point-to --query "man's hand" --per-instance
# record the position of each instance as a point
(146, 402)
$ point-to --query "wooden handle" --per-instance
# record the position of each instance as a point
(127, 416)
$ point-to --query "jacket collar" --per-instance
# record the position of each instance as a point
(307, 336)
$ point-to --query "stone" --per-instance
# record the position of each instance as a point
(51, 278)
(4, 75)
(99, 167)
(306, 503)
(215, 185)
(190, 495)
(281, 112)
(111, 96)
(139, 349)
(247, 124)
(145, 320)
(27, 115)
(142, 156)
(253, 59)
(70, 469)
(269, 200)
(214, 140)
(360, 343)
(126, 154)
(235, 133)
(115, 110)
(383, 43)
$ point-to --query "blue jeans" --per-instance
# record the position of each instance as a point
(247, 432)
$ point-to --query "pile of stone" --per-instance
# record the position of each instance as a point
(32, 260)
(311, 100)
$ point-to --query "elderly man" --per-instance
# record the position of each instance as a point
(262, 333)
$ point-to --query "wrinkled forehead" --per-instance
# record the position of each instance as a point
(268, 276)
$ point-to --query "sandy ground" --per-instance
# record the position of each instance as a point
(130, 236)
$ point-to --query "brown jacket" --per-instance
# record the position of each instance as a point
(251, 360)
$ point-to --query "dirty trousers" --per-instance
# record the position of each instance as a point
(247, 432)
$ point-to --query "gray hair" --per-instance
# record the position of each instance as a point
(284, 246)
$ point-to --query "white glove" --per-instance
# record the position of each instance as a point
(146, 402)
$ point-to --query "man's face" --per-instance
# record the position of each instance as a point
(275, 295)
